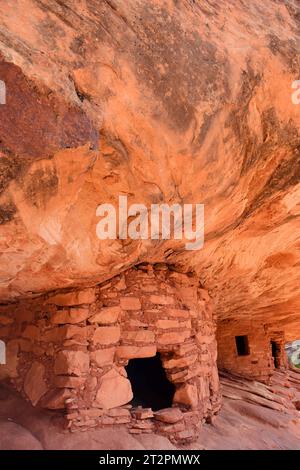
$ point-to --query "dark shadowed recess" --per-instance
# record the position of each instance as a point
(150, 386)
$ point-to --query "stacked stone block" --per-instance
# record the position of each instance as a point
(258, 364)
(69, 350)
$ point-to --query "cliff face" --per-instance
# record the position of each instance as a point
(162, 101)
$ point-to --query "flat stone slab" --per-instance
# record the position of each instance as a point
(169, 415)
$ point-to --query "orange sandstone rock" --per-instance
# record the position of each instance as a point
(115, 390)
(71, 362)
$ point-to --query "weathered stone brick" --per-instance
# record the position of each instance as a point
(71, 362)
(173, 337)
(167, 324)
(130, 352)
(187, 395)
(108, 420)
(77, 332)
(188, 293)
(186, 374)
(119, 413)
(168, 415)
(92, 412)
(54, 335)
(107, 335)
(180, 362)
(139, 336)
(115, 390)
(177, 312)
(103, 357)
(186, 348)
(106, 315)
(130, 303)
(71, 315)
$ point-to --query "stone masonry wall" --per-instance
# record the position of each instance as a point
(280, 360)
(68, 350)
(259, 363)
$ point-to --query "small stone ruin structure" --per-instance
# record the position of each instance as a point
(250, 349)
(138, 350)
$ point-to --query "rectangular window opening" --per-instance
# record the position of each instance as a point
(242, 345)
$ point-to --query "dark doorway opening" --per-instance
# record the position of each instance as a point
(150, 386)
(242, 345)
(275, 354)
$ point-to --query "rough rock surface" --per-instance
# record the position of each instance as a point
(243, 423)
(162, 101)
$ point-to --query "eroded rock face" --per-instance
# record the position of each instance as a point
(163, 102)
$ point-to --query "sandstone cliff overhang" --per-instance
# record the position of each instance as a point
(164, 102)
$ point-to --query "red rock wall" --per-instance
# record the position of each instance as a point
(259, 363)
(69, 350)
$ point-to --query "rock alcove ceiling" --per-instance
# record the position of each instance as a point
(162, 101)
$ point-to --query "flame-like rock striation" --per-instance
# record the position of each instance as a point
(162, 101)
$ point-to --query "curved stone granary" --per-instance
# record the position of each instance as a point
(69, 350)
(164, 101)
